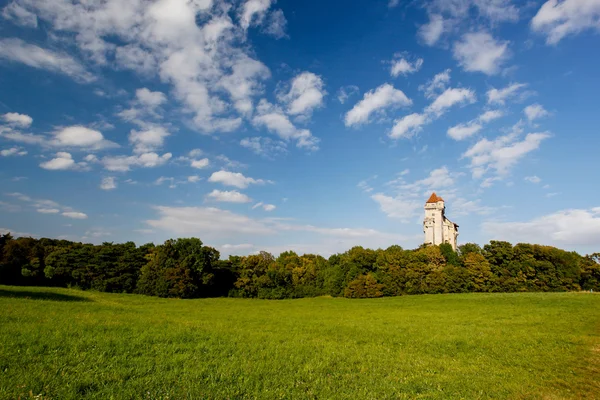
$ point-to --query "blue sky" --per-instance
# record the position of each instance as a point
(312, 126)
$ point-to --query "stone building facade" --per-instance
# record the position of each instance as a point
(437, 228)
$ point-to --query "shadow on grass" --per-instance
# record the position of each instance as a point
(23, 294)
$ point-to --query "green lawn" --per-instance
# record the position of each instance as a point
(68, 344)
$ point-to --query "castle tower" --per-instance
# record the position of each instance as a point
(437, 228)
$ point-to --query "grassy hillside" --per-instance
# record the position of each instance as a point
(67, 344)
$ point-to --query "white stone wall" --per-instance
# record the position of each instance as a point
(437, 228)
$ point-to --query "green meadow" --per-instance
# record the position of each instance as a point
(70, 344)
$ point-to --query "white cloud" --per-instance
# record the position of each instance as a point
(195, 153)
(80, 136)
(480, 52)
(345, 92)
(399, 206)
(535, 111)
(408, 126)
(194, 178)
(431, 32)
(568, 17)
(214, 223)
(463, 131)
(150, 139)
(21, 120)
(533, 179)
(62, 161)
(274, 119)
(75, 215)
(199, 164)
(229, 196)
(567, 227)
(266, 207)
(13, 151)
(108, 183)
(20, 15)
(124, 163)
(198, 48)
(276, 25)
(466, 130)
(502, 153)
(17, 50)
(264, 146)
(404, 67)
(374, 101)
(236, 179)
(490, 115)
(306, 92)
(150, 99)
(449, 98)
(499, 96)
(436, 85)
(409, 198)
(207, 222)
(48, 210)
(253, 12)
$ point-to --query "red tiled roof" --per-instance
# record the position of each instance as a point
(434, 198)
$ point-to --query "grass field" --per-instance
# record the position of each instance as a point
(67, 344)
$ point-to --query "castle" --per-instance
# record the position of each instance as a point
(437, 228)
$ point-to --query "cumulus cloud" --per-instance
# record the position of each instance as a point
(535, 111)
(148, 140)
(408, 126)
(502, 153)
(404, 67)
(82, 137)
(463, 131)
(232, 196)
(562, 228)
(436, 85)
(48, 210)
(124, 163)
(466, 130)
(108, 183)
(20, 15)
(490, 115)
(45, 206)
(533, 179)
(432, 31)
(198, 48)
(345, 92)
(149, 98)
(449, 98)
(407, 202)
(500, 96)
(21, 120)
(199, 164)
(236, 179)
(480, 52)
(558, 19)
(13, 151)
(266, 207)
(306, 92)
(264, 146)
(376, 101)
(214, 224)
(75, 215)
(62, 161)
(275, 120)
(253, 12)
(16, 50)
(401, 207)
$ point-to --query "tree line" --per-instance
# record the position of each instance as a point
(186, 268)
